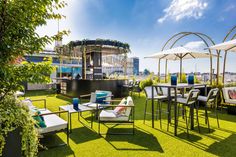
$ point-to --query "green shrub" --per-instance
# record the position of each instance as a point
(146, 82)
(184, 78)
(13, 115)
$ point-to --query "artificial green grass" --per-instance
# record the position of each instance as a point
(147, 141)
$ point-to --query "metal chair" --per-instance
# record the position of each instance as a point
(136, 88)
(210, 99)
(190, 101)
(159, 97)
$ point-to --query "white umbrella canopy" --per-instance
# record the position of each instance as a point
(226, 46)
(180, 53)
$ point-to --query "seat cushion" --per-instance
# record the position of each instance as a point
(202, 98)
(19, 93)
(181, 100)
(53, 123)
(230, 101)
(160, 97)
(110, 115)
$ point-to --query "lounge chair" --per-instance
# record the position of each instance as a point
(229, 99)
(93, 99)
(111, 116)
(54, 123)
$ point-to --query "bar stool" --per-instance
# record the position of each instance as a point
(159, 97)
(210, 99)
(190, 101)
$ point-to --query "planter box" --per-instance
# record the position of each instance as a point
(13, 144)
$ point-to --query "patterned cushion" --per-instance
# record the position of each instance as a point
(120, 109)
(232, 94)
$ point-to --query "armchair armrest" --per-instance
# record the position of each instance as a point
(44, 101)
(57, 112)
(117, 105)
(85, 95)
(105, 96)
(112, 100)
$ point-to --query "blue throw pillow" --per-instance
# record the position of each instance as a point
(39, 119)
(100, 97)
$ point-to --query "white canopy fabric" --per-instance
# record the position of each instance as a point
(180, 53)
(226, 46)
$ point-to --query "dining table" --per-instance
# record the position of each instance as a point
(172, 97)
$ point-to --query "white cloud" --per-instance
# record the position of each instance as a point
(68, 23)
(229, 8)
(180, 9)
(196, 45)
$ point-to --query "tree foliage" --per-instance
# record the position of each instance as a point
(18, 22)
(12, 76)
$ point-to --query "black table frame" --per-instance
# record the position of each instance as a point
(175, 87)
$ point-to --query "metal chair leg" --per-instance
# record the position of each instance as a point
(197, 106)
(68, 134)
(208, 124)
(186, 119)
(145, 109)
(160, 114)
(177, 114)
(157, 109)
(99, 128)
(216, 112)
(205, 113)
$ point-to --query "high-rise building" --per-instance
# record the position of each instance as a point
(135, 65)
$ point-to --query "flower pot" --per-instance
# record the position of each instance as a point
(13, 144)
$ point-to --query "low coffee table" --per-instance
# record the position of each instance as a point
(71, 110)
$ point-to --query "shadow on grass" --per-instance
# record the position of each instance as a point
(225, 147)
(52, 142)
(223, 116)
(77, 135)
(204, 129)
(190, 137)
(139, 141)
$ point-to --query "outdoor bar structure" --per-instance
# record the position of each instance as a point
(91, 53)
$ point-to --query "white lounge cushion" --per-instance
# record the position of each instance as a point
(231, 101)
(53, 123)
(28, 103)
(182, 100)
(202, 98)
(19, 93)
(110, 115)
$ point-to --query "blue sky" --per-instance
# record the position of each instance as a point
(147, 24)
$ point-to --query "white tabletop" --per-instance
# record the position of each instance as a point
(70, 108)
